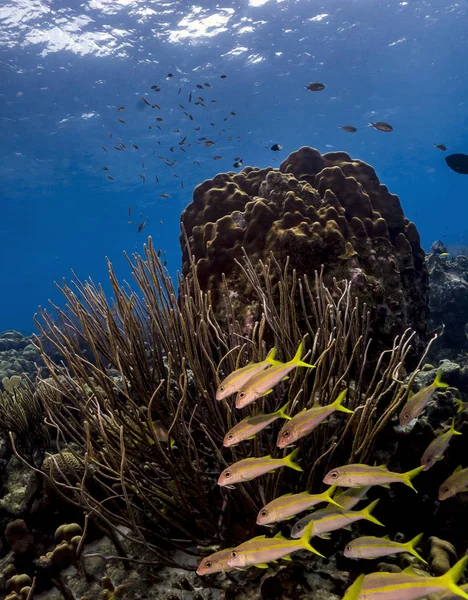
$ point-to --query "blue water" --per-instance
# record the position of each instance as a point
(65, 67)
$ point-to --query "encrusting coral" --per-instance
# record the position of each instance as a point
(314, 210)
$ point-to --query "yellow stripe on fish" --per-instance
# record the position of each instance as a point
(250, 426)
(357, 475)
(370, 547)
(457, 482)
(417, 403)
(250, 468)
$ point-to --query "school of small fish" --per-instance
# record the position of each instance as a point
(259, 379)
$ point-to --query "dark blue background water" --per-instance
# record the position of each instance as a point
(65, 68)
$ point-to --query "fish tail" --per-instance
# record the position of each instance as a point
(305, 539)
(337, 405)
(449, 579)
(452, 428)
(327, 495)
(289, 460)
(460, 405)
(408, 476)
(437, 381)
(366, 513)
(281, 412)
(411, 547)
(297, 358)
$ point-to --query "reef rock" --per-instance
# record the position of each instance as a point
(317, 210)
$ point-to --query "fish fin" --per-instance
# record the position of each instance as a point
(410, 570)
(281, 414)
(459, 468)
(354, 590)
(411, 547)
(326, 535)
(279, 536)
(285, 378)
(266, 393)
(449, 579)
(452, 429)
(437, 381)
(262, 566)
(287, 557)
(289, 460)
(386, 485)
(366, 513)
(252, 437)
(304, 540)
(297, 362)
(337, 405)
(408, 476)
(386, 537)
(270, 358)
(348, 528)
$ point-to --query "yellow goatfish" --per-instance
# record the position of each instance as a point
(370, 547)
(261, 550)
(250, 468)
(215, 563)
(408, 585)
(457, 482)
(289, 505)
(437, 447)
(250, 426)
(417, 403)
(358, 475)
(263, 383)
(306, 421)
(238, 378)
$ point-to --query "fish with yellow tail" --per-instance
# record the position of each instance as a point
(370, 547)
(408, 585)
(250, 426)
(358, 475)
(435, 450)
(259, 551)
(349, 497)
(417, 403)
(238, 378)
(289, 505)
(457, 482)
(326, 521)
(263, 383)
(306, 421)
(215, 563)
(250, 468)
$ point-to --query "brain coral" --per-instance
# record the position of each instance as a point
(317, 209)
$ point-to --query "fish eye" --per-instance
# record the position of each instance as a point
(263, 513)
(233, 554)
(241, 394)
(222, 388)
(286, 433)
(406, 416)
(230, 436)
(208, 563)
(348, 547)
(227, 474)
(334, 474)
(445, 489)
(299, 527)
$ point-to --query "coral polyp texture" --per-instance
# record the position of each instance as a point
(328, 210)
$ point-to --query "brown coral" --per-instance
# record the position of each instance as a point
(317, 210)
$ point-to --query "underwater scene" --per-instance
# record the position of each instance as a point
(234, 319)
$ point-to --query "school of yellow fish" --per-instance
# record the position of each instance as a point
(259, 379)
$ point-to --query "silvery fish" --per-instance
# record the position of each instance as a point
(250, 468)
(215, 563)
(457, 482)
(306, 421)
(235, 380)
(349, 497)
(374, 547)
(261, 550)
(263, 383)
(408, 585)
(437, 447)
(288, 505)
(358, 475)
(417, 403)
(250, 426)
(328, 521)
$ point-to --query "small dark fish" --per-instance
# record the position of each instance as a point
(182, 106)
(197, 128)
(348, 128)
(175, 175)
(212, 125)
(110, 177)
(157, 179)
(134, 146)
(381, 126)
(171, 149)
(238, 158)
(178, 93)
(233, 113)
(315, 87)
(121, 108)
(238, 164)
(110, 135)
(206, 84)
(201, 139)
(217, 157)
(121, 121)
(130, 222)
(195, 162)
(143, 164)
(129, 210)
(169, 75)
(143, 177)
(146, 101)
(141, 226)
(190, 97)
(183, 149)
(458, 163)
(164, 195)
(122, 145)
(182, 185)
(213, 101)
(105, 168)
(190, 117)
(200, 87)
(156, 106)
(117, 148)
(156, 88)
(223, 76)
(149, 127)
(182, 141)
(225, 119)
(276, 147)
(160, 128)
(159, 119)
(442, 147)
(209, 143)
(159, 253)
(165, 263)
(104, 148)
(201, 99)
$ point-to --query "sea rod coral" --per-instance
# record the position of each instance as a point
(153, 363)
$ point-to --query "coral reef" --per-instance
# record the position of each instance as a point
(315, 210)
(17, 355)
